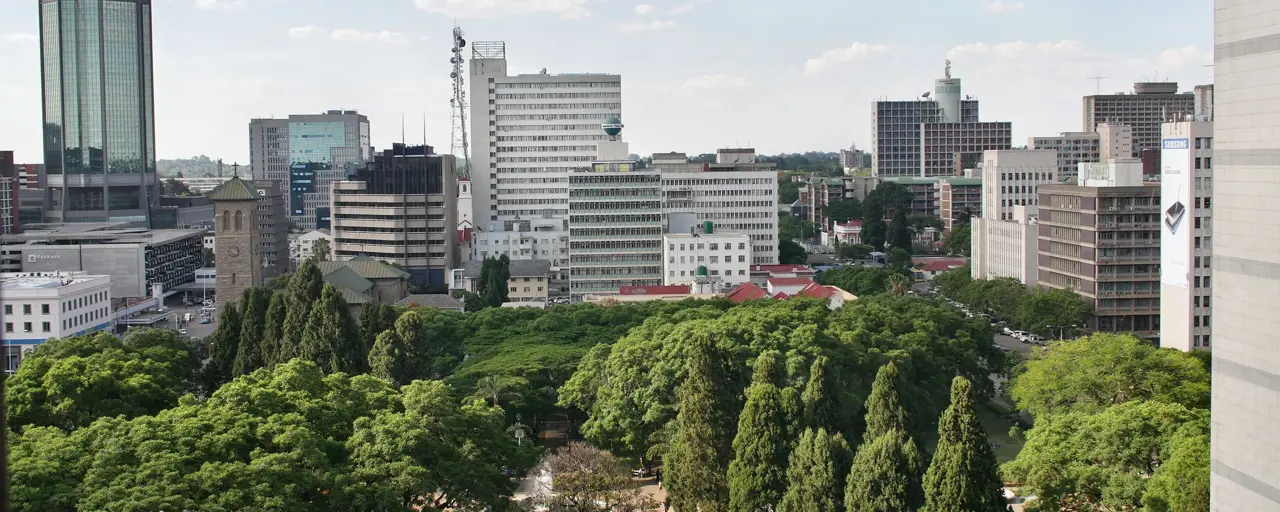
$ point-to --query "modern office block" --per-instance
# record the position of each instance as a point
(1010, 178)
(1186, 235)
(99, 117)
(306, 153)
(737, 193)
(1145, 109)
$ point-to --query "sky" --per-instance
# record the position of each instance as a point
(697, 75)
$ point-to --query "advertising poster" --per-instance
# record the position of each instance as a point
(1176, 224)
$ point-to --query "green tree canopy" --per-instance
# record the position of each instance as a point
(70, 382)
(1092, 373)
(791, 252)
(758, 473)
(1053, 312)
(885, 476)
(588, 479)
(248, 355)
(959, 241)
(331, 338)
(273, 329)
(698, 460)
(963, 475)
(857, 279)
(224, 347)
(843, 210)
(885, 411)
(304, 290)
(815, 480)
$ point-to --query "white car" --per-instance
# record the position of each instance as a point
(1007, 331)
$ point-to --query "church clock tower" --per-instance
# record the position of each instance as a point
(235, 226)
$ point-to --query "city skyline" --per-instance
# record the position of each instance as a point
(1027, 61)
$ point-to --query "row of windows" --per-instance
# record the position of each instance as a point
(714, 272)
(551, 138)
(549, 128)
(551, 117)
(543, 149)
(742, 258)
(520, 159)
(557, 95)
(718, 182)
(522, 181)
(542, 106)
(556, 85)
(713, 247)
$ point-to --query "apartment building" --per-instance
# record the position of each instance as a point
(1144, 110)
(707, 257)
(306, 153)
(615, 222)
(896, 133)
(1204, 102)
(958, 196)
(43, 305)
(1245, 454)
(924, 193)
(1010, 178)
(736, 193)
(820, 192)
(1101, 239)
(400, 208)
(1186, 236)
(1005, 248)
(948, 147)
(273, 228)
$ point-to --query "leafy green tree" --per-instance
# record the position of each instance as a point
(791, 227)
(854, 251)
(885, 411)
(320, 249)
(493, 390)
(875, 232)
(758, 472)
(791, 252)
(814, 475)
(963, 476)
(843, 210)
(588, 479)
(374, 319)
(959, 241)
(331, 339)
(885, 476)
(1117, 459)
(388, 358)
(900, 231)
(252, 326)
(273, 329)
(858, 280)
(494, 276)
(821, 405)
(304, 291)
(952, 282)
(1097, 371)
(698, 460)
(899, 260)
(433, 341)
(899, 284)
(224, 347)
(1056, 312)
(70, 382)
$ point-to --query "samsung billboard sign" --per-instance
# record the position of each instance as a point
(1176, 180)
(1176, 144)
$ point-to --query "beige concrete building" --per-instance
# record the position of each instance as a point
(531, 280)
(1144, 110)
(958, 196)
(1101, 239)
(1186, 236)
(1006, 248)
(1010, 178)
(946, 146)
(1245, 457)
(1074, 148)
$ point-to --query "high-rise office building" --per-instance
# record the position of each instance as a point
(1186, 235)
(736, 193)
(401, 208)
(615, 222)
(1145, 109)
(99, 117)
(1245, 455)
(307, 153)
(528, 133)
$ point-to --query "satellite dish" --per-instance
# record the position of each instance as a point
(925, 95)
(544, 71)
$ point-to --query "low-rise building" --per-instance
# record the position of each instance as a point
(434, 300)
(42, 305)
(708, 257)
(1006, 248)
(529, 281)
(303, 246)
(363, 280)
(958, 197)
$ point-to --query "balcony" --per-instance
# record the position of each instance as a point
(1129, 242)
(1154, 258)
(1131, 276)
(1138, 294)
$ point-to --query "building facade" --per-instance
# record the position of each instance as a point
(137, 260)
(401, 208)
(1204, 102)
(946, 148)
(9, 188)
(306, 153)
(1186, 235)
(958, 197)
(1144, 110)
(529, 132)
(736, 193)
(1101, 239)
(1006, 248)
(895, 133)
(1071, 147)
(273, 228)
(720, 260)
(42, 305)
(238, 252)
(1010, 178)
(303, 246)
(615, 222)
(99, 116)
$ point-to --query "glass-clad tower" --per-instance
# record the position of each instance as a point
(99, 121)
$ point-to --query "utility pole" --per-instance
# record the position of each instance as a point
(1097, 82)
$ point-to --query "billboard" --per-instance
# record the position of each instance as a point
(1176, 223)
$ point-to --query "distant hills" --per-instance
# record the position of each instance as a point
(194, 167)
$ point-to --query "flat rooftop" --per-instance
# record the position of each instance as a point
(43, 280)
(99, 233)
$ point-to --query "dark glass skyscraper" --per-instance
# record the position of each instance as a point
(99, 120)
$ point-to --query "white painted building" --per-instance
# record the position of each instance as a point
(724, 256)
(1010, 178)
(302, 247)
(42, 305)
(532, 239)
(204, 184)
(464, 204)
(1115, 141)
(1186, 235)
(737, 193)
(1005, 248)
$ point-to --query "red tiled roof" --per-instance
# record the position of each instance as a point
(942, 265)
(780, 295)
(789, 281)
(818, 291)
(654, 290)
(745, 292)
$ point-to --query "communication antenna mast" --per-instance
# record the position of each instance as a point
(458, 106)
(1097, 80)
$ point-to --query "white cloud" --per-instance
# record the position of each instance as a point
(303, 32)
(716, 82)
(351, 34)
(1018, 49)
(644, 9)
(652, 26)
(1186, 56)
(218, 4)
(999, 6)
(817, 65)
(683, 8)
(571, 9)
(19, 38)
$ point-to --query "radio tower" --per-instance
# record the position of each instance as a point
(458, 107)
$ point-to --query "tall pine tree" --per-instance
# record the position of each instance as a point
(304, 291)
(331, 334)
(249, 353)
(387, 358)
(273, 329)
(963, 476)
(820, 398)
(814, 482)
(758, 473)
(884, 405)
(225, 345)
(371, 323)
(885, 475)
(698, 459)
